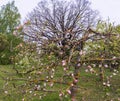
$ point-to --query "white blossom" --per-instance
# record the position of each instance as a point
(6, 92)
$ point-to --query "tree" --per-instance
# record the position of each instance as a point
(9, 18)
(104, 50)
(59, 21)
(62, 30)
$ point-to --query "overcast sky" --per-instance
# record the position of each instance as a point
(107, 8)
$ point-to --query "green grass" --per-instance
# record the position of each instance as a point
(90, 88)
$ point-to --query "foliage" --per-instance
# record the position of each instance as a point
(3, 42)
(106, 47)
(7, 48)
(9, 18)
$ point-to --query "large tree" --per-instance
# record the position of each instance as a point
(61, 29)
(9, 17)
(59, 21)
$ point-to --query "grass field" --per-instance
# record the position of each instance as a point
(90, 88)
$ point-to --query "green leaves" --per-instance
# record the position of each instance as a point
(9, 18)
(7, 47)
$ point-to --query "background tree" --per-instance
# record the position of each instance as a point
(60, 21)
(9, 21)
(9, 18)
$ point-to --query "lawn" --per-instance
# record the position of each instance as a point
(90, 88)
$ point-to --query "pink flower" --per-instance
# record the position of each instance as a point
(51, 84)
(89, 66)
(81, 52)
(72, 84)
(23, 99)
(78, 64)
(15, 33)
(65, 69)
(75, 80)
(63, 62)
(60, 94)
(20, 44)
(72, 75)
(69, 92)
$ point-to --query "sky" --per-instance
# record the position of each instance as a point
(107, 8)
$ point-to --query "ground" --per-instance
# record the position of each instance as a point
(90, 88)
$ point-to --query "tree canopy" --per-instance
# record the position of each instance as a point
(59, 21)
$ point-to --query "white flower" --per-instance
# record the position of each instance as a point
(29, 77)
(106, 66)
(98, 46)
(44, 84)
(38, 87)
(39, 72)
(72, 84)
(63, 62)
(35, 94)
(114, 57)
(104, 83)
(53, 69)
(72, 75)
(114, 74)
(86, 70)
(47, 67)
(6, 92)
(30, 91)
(91, 70)
(51, 76)
(108, 85)
(107, 94)
(65, 69)
(94, 65)
(100, 65)
(47, 77)
(115, 70)
(23, 99)
(96, 74)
